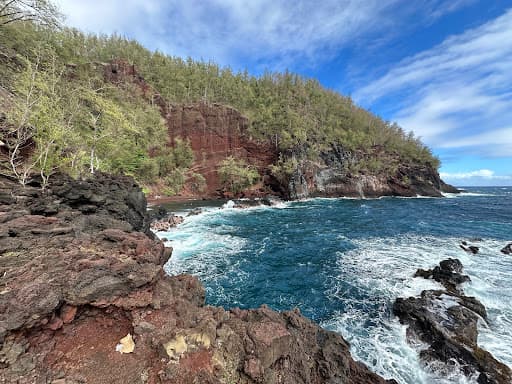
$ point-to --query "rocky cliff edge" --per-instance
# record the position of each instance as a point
(83, 299)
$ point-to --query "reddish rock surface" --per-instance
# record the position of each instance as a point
(215, 133)
(79, 271)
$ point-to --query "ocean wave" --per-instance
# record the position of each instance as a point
(262, 254)
(382, 344)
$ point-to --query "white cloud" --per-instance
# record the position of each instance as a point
(486, 173)
(481, 177)
(457, 94)
(276, 33)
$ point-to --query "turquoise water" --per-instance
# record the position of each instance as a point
(343, 262)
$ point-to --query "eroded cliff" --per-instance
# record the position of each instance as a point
(216, 131)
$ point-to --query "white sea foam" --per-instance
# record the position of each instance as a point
(385, 267)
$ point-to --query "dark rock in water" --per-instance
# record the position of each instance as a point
(473, 249)
(80, 271)
(448, 273)
(158, 213)
(195, 211)
(425, 273)
(507, 249)
(166, 223)
(470, 249)
(447, 321)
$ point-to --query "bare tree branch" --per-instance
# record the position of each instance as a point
(39, 11)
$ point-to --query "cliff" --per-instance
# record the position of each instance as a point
(216, 131)
(83, 299)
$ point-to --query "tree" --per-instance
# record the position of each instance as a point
(38, 133)
(39, 11)
(236, 175)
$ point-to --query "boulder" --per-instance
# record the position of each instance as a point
(448, 273)
(166, 223)
(447, 320)
(507, 249)
(469, 248)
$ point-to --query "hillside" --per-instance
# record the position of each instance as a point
(83, 103)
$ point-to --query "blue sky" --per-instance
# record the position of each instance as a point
(441, 68)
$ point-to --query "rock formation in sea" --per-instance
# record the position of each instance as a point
(507, 249)
(446, 320)
(84, 299)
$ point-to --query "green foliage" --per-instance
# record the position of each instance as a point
(235, 175)
(80, 123)
(175, 181)
(147, 171)
(284, 169)
(197, 183)
(173, 164)
(183, 155)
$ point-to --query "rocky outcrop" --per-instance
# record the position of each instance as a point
(473, 249)
(83, 299)
(446, 320)
(331, 177)
(217, 131)
(507, 249)
(166, 223)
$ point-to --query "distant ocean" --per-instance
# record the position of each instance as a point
(343, 262)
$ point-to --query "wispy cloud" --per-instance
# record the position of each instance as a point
(457, 94)
(486, 173)
(275, 33)
(479, 177)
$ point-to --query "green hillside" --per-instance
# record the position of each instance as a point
(59, 113)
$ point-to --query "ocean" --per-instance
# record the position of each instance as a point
(343, 262)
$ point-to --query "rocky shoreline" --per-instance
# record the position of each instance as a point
(446, 321)
(84, 299)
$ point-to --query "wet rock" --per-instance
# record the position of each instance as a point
(157, 213)
(507, 249)
(166, 223)
(195, 212)
(469, 248)
(447, 320)
(448, 273)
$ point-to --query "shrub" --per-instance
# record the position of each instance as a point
(236, 175)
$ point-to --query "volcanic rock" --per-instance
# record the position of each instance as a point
(67, 298)
(448, 273)
(447, 321)
(470, 249)
(507, 249)
(167, 223)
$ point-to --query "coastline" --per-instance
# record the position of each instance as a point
(85, 299)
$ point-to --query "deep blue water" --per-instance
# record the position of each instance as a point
(343, 262)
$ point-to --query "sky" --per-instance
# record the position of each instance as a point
(439, 68)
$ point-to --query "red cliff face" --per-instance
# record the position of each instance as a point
(215, 132)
